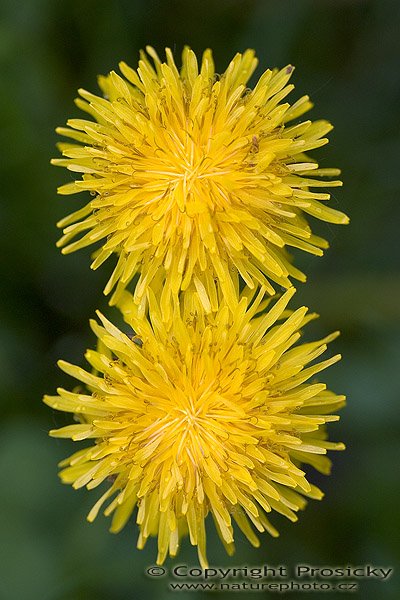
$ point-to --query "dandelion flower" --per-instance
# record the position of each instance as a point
(195, 178)
(204, 414)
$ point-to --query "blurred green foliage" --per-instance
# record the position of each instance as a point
(347, 54)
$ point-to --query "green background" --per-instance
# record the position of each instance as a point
(346, 54)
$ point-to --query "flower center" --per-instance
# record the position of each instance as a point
(189, 418)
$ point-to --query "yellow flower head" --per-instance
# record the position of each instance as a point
(195, 178)
(204, 414)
